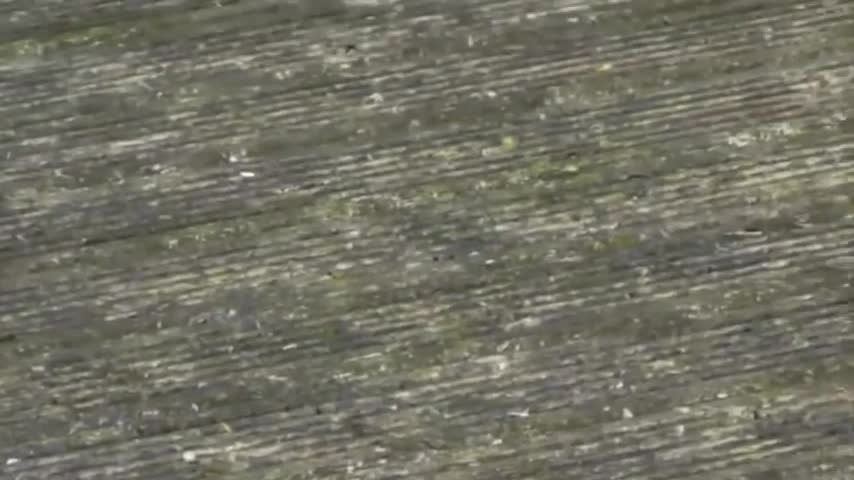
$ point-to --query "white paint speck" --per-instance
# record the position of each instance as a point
(627, 414)
(519, 413)
(246, 174)
(740, 140)
(189, 456)
(238, 156)
(12, 461)
(527, 322)
(374, 99)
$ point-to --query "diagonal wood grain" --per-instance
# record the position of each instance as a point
(417, 239)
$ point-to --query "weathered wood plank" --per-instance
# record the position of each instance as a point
(409, 239)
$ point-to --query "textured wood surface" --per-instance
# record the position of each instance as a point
(546, 239)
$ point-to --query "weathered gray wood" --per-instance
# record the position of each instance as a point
(422, 239)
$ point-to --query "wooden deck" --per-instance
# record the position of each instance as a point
(409, 239)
